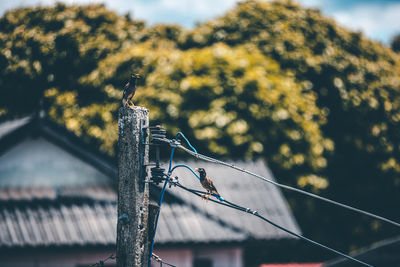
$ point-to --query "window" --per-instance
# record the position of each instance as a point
(202, 262)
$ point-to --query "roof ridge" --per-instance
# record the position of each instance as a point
(44, 194)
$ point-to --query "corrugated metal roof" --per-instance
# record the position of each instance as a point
(55, 224)
(243, 190)
(179, 223)
(58, 224)
(46, 212)
(26, 220)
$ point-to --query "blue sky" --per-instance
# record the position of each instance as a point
(378, 19)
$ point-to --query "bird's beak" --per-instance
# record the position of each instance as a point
(138, 76)
(196, 169)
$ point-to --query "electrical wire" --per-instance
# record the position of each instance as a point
(175, 144)
(213, 160)
(101, 262)
(185, 166)
(187, 141)
(165, 186)
(198, 177)
(158, 259)
(255, 213)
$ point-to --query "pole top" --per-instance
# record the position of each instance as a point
(133, 109)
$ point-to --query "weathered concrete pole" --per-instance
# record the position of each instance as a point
(153, 213)
(133, 193)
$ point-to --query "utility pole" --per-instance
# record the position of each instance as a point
(133, 190)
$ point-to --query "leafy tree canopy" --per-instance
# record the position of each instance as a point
(356, 81)
(233, 101)
(52, 47)
(268, 79)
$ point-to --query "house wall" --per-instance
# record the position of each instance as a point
(221, 257)
(217, 256)
(182, 257)
(54, 257)
(178, 257)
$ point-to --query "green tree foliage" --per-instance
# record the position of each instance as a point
(268, 79)
(235, 102)
(357, 83)
(52, 47)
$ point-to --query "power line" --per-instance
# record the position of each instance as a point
(198, 177)
(175, 143)
(255, 213)
(101, 262)
(166, 182)
(158, 259)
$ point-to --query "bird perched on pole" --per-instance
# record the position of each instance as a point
(207, 183)
(130, 90)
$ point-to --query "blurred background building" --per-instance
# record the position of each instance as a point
(58, 207)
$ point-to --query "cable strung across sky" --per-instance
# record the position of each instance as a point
(176, 144)
(255, 213)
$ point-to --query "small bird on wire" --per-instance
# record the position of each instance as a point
(207, 183)
(130, 90)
